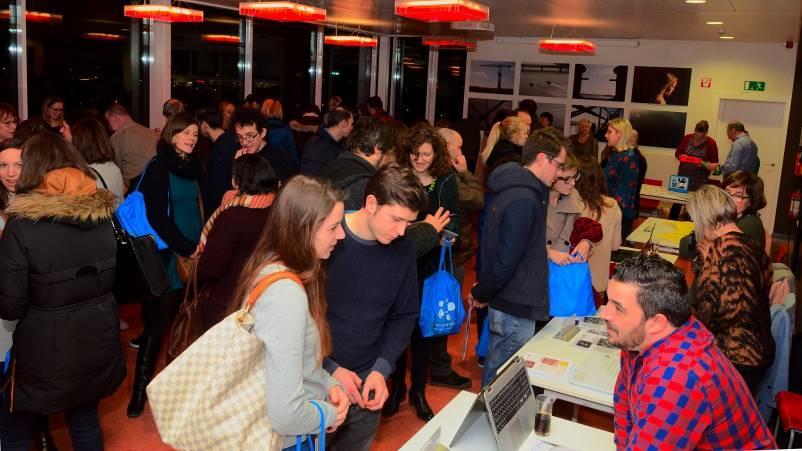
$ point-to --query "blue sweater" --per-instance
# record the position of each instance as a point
(372, 292)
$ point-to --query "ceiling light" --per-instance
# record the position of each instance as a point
(575, 46)
(441, 10)
(725, 36)
(453, 43)
(34, 16)
(282, 11)
(103, 36)
(350, 41)
(163, 13)
(714, 22)
(220, 38)
(695, 2)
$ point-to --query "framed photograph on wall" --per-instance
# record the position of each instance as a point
(600, 82)
(598, 116)
(544, 80)
(492, 77)
(486, 111)
(661, 85)
(659, 128)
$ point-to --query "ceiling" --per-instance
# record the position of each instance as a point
(747, 20)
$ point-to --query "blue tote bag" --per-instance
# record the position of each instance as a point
(570, 290)
(133, 217)
(441, 310)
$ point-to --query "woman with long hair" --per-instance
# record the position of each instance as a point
(172, 201)
(57, 261)
(90, 138)
(504, 144)
(623, 171)
(302, 231)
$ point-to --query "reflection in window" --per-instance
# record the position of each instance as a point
(346, 73)
(8, 69)
(450, 85)
(410, 104)
(205, 59)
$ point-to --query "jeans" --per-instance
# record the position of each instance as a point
(508, 334)
(357, 432)
(17, 429)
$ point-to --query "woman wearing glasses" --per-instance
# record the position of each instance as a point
(8, 121)
(623, 171)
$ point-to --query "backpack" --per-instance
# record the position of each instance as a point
(441, 310)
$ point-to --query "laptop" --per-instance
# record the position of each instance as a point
(506, 405)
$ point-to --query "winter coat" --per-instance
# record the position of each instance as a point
(471, 200)
(280, 150)
(320, 150)
(57, 262)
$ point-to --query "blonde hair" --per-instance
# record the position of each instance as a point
(710, 206)
(634, 138)
(625, 127)
(271, 109)
(505, 129)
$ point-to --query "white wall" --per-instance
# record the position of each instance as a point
(729, 64)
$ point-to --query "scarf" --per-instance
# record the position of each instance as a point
(234, 198)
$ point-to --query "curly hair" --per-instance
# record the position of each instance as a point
(420, 135)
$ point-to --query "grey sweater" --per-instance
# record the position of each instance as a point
(292, 350)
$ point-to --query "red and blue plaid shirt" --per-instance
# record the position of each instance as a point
(683, 393)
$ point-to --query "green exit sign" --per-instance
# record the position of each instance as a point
(754, 85)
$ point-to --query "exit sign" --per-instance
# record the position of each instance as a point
(754, 86)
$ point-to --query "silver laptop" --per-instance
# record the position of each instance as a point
(506, 405)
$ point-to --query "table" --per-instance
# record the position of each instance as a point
(663, 232)
(662, 194)
(563, 432)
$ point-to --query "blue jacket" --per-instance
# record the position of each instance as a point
(742, 156)
(776, 378)
(319, 151)
(514, 274)
(280, 149)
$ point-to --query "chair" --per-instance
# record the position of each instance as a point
(789, 415)
(649, 205)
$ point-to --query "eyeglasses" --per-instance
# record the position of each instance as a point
(560, 164)
(9, 122)
(738, 197)
(569, 178)
(247, 138)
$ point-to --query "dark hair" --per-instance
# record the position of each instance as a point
(737, 126)
(592, 185)
(246, 116)
(754, 189)
(29, 128)
(11, 143)
(90, 139)
(418, 136)
(311, 108)
(548, 116)
(253, 98)
(334, 117)
(368, 134)
(548, 141)
(375, 103)
(172, 107)
(174, 126)
(118, 109)
(529, 105)
(6, 109)
(661, 287)
(396, 185)
(702, 127)
(47, 152)
(336, 100)
(50, 100)
(212, 116)
(253, 174)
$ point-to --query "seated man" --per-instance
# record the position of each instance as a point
(676, 390)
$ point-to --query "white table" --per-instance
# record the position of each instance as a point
(662, 194)
(563, 432)
(544, 343)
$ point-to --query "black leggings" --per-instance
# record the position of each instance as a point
(421, 350)
(157, 313)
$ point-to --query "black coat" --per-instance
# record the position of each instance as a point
(319, 151)
(503, 152)
(57, 261)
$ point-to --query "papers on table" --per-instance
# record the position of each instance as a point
(663, 232)
(624, 252)
(598, 372)
(548, 366)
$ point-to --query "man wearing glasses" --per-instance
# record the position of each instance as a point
(513, 279)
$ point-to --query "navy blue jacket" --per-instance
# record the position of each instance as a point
(319, 151)
(514, 274)
(280, 150)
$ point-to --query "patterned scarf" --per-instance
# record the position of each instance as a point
(234, 198)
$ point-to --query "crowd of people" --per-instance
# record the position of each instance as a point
(357, 205)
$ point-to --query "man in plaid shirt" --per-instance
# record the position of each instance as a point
(676, 390)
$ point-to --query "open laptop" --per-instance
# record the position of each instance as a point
(506, 405)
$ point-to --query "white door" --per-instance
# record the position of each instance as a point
(764, 122)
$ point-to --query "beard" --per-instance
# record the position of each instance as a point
(630, 341)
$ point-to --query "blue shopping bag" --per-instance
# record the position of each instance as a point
(570, 290)
(441, 310)
(132, 215)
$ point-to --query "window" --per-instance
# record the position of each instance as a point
(206, 63)
(410, 79)
(8, 61)
(450, 85)
(346, 73)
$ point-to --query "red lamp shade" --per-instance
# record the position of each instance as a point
(450, 43)
(282, 11)
(567, 46)
(163, 13)
(34, 16)
(103, 36)
(220, 38)
(350, 41)
(441, 10)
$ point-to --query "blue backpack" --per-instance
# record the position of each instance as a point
(441, 310)
(132, 215)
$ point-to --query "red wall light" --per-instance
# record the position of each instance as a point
(282, 11)
(163, 13)
(350, 41)
(450, 43)
(220, 38)
(577, 46)
(442, 10)
(34, 16)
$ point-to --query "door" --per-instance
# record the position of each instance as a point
(764, 121)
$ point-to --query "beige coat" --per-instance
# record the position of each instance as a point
(599, 259)
(560, 221)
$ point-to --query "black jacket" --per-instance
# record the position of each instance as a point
(514, 275)
(320, 150)
(57, 261)
(503, 152)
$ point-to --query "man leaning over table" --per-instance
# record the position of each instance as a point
(676, 390)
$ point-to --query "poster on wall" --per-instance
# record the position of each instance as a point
(598, 116)
(554, 112)
(600, 82)
(658, 128)
(486, 111)
(661, 85)
(492, 77)
(544, 80)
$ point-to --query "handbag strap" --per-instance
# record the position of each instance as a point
(446, 247)
(143, 176)
(265, 283)
(100, 177)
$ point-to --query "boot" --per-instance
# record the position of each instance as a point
(143, 373)
(398, 391)
(422, 409)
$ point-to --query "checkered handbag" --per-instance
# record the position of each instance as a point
(213, 395)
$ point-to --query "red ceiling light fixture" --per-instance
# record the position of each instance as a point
(450, 43)
(34, 16)
(221, 38)
(350, 41)
(163, 13)
(103, 36)
(572, 46)
(282, 11)
(442, 10)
